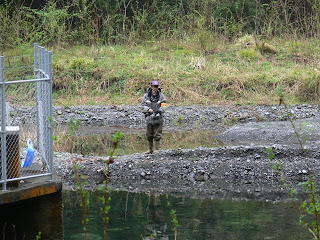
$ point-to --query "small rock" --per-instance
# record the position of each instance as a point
(191, 176)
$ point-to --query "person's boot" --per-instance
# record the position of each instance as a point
(150, 145)
(157, 145)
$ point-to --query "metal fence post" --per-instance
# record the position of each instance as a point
(46, 86)
(40, 107)
(50, 113)
(3, 126)
(36, 76)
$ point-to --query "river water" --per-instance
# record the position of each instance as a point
(141, 215)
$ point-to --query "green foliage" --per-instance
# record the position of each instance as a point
(53, 26)
(105, 199)
(122, 73)
(311, 206)
(178, 121)
(277, 168)
(275, 165)
(270, 153)
(249, 54)
(73, 125)
(280, 91)
(98, 22)
(230, 121)
(38, 237)
(134, 41)
(174, 219)
(81, 64)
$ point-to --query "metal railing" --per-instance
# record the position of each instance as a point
(26, 141)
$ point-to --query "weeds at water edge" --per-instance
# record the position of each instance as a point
(310, 206)
(173, 219)
(105, 199)
(73, 125)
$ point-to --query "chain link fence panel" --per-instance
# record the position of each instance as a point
(26, 143)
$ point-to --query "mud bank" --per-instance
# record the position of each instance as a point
(242, 170)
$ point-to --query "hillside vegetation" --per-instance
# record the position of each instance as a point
(230, 73)
(203, 52)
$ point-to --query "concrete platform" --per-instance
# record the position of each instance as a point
(30, 188)
(32, 208)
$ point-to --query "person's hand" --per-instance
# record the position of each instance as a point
(150, 110)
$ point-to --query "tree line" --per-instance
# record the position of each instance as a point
(130, 21)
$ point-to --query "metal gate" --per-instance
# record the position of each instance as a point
(26, 135)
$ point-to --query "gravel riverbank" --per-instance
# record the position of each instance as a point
(244, 172)
(240, 170)
(187, 116)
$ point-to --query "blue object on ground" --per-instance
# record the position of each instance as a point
(30, 154)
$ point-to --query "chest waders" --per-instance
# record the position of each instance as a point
(155, 119)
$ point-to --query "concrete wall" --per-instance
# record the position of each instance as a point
(31, 216)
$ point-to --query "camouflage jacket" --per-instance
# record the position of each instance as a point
(154, 102)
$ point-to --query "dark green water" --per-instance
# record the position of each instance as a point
(136, 215)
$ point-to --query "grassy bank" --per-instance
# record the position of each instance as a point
(196, 70)
(197, 49)
(190, 71)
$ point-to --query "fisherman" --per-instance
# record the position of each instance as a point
(153, 103)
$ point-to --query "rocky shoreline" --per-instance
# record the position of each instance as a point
(237, 171)
(188, 116)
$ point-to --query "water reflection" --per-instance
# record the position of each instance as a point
(156, 222)
(101, 144)
(142, 216)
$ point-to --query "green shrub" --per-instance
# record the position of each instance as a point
(82, 64)
(249, 54)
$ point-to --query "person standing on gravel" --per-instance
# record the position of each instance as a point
(153, 103)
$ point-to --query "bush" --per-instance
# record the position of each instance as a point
(249, 54)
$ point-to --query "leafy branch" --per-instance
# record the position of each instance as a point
(173, 219)
(105, 199)
(73, 125)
